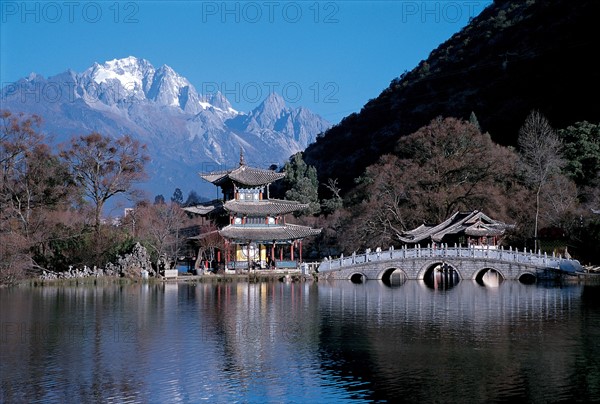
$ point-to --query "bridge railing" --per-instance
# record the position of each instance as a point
(471, 252)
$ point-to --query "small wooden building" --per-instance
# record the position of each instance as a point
(462, 228)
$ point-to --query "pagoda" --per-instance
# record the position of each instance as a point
(256, 233)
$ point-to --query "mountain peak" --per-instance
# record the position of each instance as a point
(219, 101)
(275, 100)
(32, 76)
(126, 63)
(273, 106)
(129, 72)
(181, 127)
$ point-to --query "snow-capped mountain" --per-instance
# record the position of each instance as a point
(185, 131)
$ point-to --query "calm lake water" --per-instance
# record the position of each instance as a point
(300, 342)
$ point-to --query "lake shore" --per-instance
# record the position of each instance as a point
(290, 276)
(583, 278)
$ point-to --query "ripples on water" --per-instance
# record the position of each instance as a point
(291, 342)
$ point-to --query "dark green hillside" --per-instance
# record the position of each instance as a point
(514, 57)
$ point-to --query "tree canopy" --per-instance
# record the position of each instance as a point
(105, 167)
(302, 183)
(445, 166)
(540, 151)
(582, 152)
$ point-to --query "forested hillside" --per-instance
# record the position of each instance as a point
(516, 56)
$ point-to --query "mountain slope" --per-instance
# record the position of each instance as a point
(185, 131)
(512, 58)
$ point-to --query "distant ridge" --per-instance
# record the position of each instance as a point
(186, 132)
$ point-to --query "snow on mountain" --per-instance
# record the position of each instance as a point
(185, 131)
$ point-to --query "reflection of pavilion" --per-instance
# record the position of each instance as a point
(462, 228)
(257, 234)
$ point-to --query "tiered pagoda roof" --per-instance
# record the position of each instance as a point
(243, 175)
(245, 180)
(267, 234)
(265, 207)
(475, 224)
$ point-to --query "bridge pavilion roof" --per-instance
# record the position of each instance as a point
(475, 224)
(265, 207)
(267, 234)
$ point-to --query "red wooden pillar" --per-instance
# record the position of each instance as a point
(281, 254)
(218, 255)
(228, 256)
(292, 250)
(300, 251)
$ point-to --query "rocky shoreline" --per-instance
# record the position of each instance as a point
(133, 265)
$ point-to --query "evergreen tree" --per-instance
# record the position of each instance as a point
(302, 183)
(177, 196)
(193, 199)
(473, 120)
(582, 152)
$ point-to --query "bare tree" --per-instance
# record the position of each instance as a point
(336, 201)
(559, 206)
(210, 242)
(105, 167)
(159, 227)
(34, 186)
(540, 149)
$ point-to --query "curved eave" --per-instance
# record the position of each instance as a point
(271, 207)
(267, 234)
(205, 235)
(206, 208)
(243, 175)
(483, 232)
(215, 176)
(252, 177)
(409, 239)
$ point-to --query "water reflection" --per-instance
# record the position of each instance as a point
(490, 278)
(441, 276)
(300, 342)
(394, 278)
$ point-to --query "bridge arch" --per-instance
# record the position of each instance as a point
(393, 276)
(357, 277)
(527, 278)
(440, 275)
(489, 276)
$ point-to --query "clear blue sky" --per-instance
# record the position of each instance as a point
(330, 56)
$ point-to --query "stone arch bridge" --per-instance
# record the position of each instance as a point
(462, 262)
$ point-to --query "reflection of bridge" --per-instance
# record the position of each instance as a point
(461, 262)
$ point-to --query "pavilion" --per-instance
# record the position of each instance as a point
(462, 228)
(256, 233)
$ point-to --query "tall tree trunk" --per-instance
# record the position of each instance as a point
(537, 213)
(97, 215)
